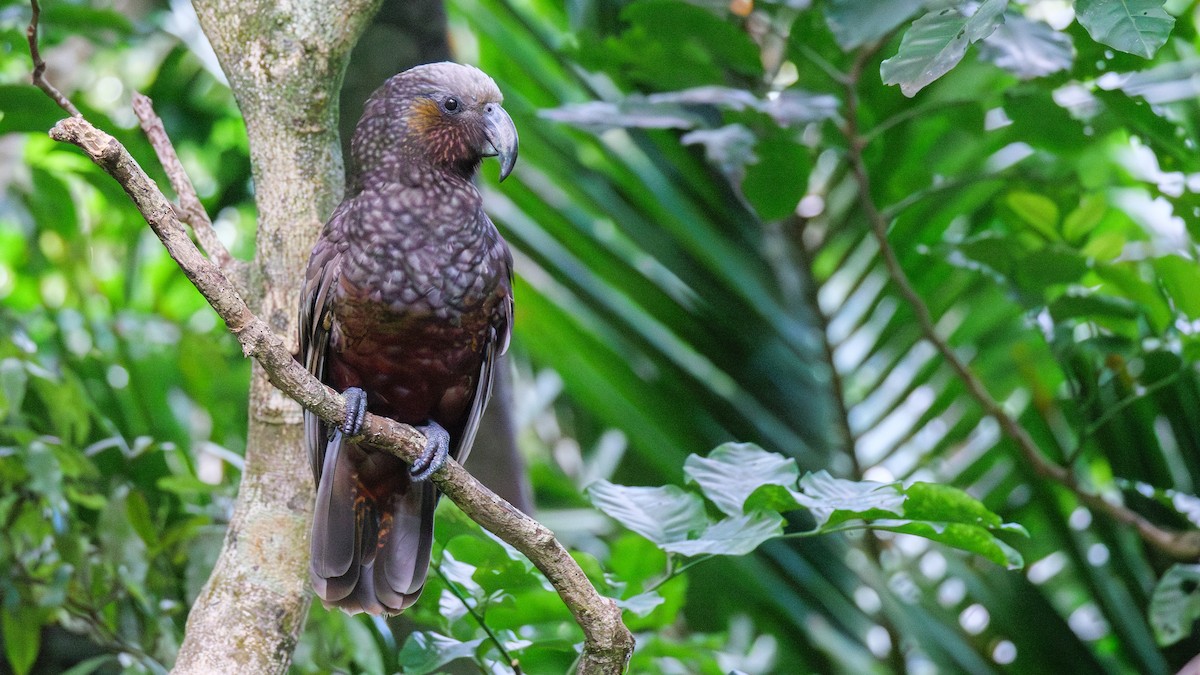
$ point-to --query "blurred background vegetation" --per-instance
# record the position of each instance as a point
(695, 266)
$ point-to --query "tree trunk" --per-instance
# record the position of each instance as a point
(285, 62)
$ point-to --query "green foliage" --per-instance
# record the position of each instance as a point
(1175, 605)
(695, 267)
(754, 488)
(1139, 27)
(936, 43)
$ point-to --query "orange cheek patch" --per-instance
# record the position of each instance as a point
(424, 115)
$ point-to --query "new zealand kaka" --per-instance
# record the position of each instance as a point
(407, 304)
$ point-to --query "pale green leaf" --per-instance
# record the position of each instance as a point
(1175, 604)
(1028, 49)
(426, 651)
(733, 471)
(857, 22)
(661, 514)
(737, 535)
(1138, 27)
(936, 43)
(836, 500)
(641, 604)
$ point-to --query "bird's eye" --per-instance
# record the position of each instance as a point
(451, 105)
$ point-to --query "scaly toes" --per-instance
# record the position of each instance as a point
(437, 448)
(356, 411)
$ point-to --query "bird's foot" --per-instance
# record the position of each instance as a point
(437, 448)
(356, 411)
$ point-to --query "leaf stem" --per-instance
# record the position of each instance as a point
(672, 573)
(478, 619)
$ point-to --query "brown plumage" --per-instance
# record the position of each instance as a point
(408, 298)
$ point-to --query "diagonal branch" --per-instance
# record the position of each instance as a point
(1184, 546)
(607, 642)
(190, 210)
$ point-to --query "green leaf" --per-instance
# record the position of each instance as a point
(737, 535)
(932, 501)
(776, 182)
(22, 630)
(936, 43)
(79, 17)
(1049, 266)
(1028, 49)
(1175, 604)
(1037, 211)
(1137, 27)
(13, 380)
(661, 514)
(1084, 218)
(729, 148)
(426, 651)
(970, 538)
(635, 561)
(632, 112)
(120, 544)
(1087, 306)
(733, 471)
(641, 604)
(1181, 278)
(1123, 280)
(857, 22)
(836, 500)
(772, 498)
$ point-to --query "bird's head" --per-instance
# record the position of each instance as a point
(443, 116)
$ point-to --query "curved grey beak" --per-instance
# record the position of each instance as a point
(501, 136)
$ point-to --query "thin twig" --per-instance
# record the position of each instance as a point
(1184, 546)
(190, 210)
(39, 66)
(513, 663)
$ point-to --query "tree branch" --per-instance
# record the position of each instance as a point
(190, 210)
(39, 66)
(607, 643)
(1184, 546)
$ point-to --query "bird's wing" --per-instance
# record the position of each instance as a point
(497, 344)
(323, 270)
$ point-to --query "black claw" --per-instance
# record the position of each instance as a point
(437, 448)
(356, 410)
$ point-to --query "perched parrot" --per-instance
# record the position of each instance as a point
(406, 306)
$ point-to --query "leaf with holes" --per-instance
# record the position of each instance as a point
(1175, 605)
